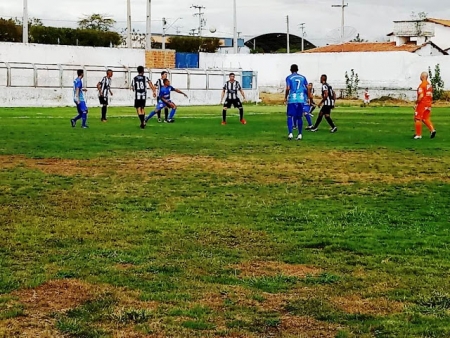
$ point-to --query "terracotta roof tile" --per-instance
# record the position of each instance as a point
(439, 21)
(365, 47)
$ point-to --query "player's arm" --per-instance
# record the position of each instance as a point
(152, 87)
(180, 92)
(420, 95)
(223, 95)
(286, 92)
(132, 85)
(99, 88)
(325, 97)
(77, 95)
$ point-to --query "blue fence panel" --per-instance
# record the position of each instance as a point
(186, 60)
(247, 80)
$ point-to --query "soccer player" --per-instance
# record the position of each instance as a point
(423, 107)
(328, 101)
(104, 89)
(366, 97)
(139, 86)
(78, 98)
(232, 87)
(296, 95)
(159, 84)
(313, 104)
(165, 101)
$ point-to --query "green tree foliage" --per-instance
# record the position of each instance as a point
(358, 39)
(193, 44)
(9, 31)
(351, 84)
(437, 83)
(97, 22)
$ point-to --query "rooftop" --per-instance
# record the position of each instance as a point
(366, 47)
(439, 21)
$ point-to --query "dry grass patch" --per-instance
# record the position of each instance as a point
(354, 304)
(307, 327)
(262, 268)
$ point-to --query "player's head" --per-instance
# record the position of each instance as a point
(323, 78)
(367, 89)
(166, 82)
(232, 76)
(423, 76)
(109, 73)
(164, 75)
(140, 70)
(310, 85)
(294, 68)
(80, 73)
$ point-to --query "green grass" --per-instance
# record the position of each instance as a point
(171, 213)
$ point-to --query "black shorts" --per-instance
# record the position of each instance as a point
(139, 103)
(235, 103)
(326, 110)
(103, 100)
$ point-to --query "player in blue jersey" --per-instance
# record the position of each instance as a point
(165, 101)
(296, 96)
(78, 98)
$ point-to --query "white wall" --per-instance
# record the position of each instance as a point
(396, 72)
(70, 55)
(442, 36)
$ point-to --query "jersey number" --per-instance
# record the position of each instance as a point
(141, 85)
(299, 83)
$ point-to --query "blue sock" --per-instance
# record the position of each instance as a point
(76, 118)
(153, 113)
(172, 114)
(300, 124)
(290, 124)
(84, 119)
(308, 119)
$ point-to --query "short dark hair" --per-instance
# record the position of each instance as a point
(324, 76)
(140, 69)
(294, 68)
(164, 72)
(80, 72)
(165, 81)
(232, 74)
(109, 70)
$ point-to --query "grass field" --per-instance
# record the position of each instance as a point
(200, 230)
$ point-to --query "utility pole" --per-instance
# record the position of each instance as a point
(302, 27)
(343, 18)
(148, 37)
(287, 36)
(201, 20)
(25, 21)
(235, 35)
(164, 22)
(129, 24)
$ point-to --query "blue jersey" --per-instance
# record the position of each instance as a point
(164, 92)
(78, 84)
(298, 88)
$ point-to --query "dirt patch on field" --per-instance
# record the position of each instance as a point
(377, 307)
(261, 268)
(307, 327)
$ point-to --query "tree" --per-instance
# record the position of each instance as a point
(437, 82)
(193, 44)
(9, 31)
(358, 39)
(97, 22)
(31, 22)
(420, 21)
(351, 84)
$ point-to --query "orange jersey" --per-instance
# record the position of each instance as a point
(425, 89)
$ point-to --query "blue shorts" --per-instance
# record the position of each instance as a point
(295, 109)
(161, 104)
(81, 108)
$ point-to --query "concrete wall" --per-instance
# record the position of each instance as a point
(442, 36)
(396, 73)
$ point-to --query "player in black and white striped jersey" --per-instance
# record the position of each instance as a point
(139, 85)
(231, 88)
(104, 90)
(328, 101)
(159, 84)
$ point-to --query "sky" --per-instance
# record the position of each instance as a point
(372, 19)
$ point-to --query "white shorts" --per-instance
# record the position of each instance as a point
(367, 101)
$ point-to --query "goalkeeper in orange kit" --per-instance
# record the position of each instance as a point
(423, 107)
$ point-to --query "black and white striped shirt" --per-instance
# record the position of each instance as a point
(329, 100)
(159, 84)
(105, 86)
(139, 84)
(232, 89)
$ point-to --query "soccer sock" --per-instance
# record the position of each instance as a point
(318, 121)
(241, 113)
(312, 109)
(290, 124)
(104, 112)
(84, 119)
(429, 125)
(172, 114)
(294, 121)
(224, 115)
(299, 124)
(166, 113)
(418, 125)
(142, 118)
(159, 115)
(308, 119)
(330, 121)
(153, 113)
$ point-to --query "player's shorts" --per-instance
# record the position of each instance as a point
(103, 100)
(161, 105)
(306, 109)
(81, 107)
(235, 103)
(139, 103)
(295, 109)
(422, 112)
(326, 110)
(366, 101)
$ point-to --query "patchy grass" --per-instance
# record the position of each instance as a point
(197, 230)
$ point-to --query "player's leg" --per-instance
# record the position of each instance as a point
(306, 110)
(159, 106)
(291, 111)
(427, 121)
(319, 120)
(166, 114)
(418, 118)
(238, 105)
(329, 120)
(104, 103)
(84, 114)
(226, 106)
(172, 113)
(299, 120)
(159, 115)
(73, 121)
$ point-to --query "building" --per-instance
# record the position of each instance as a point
(277, 42)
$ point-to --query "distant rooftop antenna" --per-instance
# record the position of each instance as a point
(335, 36)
